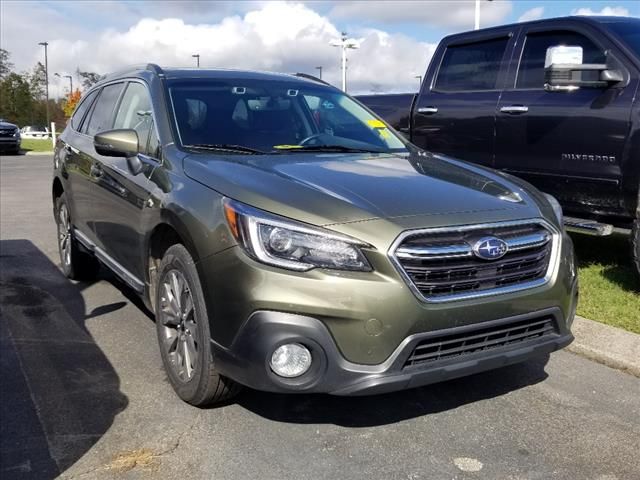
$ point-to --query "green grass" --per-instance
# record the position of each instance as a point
(36, 145)
(609, 286)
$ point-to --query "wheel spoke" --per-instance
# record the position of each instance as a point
(189, 357)
(187, 308)
(171, 340)
(170, 301)
(176, 287)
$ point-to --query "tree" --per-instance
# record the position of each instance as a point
(37, 81)
(16, 100)
(72, 101)
(89, 79)
(5, 65)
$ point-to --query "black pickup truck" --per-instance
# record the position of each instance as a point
(555, 102)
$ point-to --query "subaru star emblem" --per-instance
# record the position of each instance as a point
(490, 248)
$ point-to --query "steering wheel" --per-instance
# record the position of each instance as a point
(310, 139)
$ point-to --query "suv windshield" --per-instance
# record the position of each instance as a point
(257, 116)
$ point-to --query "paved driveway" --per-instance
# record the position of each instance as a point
(83, 395)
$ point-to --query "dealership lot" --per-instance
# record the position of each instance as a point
(84, 395)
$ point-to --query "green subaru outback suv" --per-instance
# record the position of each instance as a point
(289, 240)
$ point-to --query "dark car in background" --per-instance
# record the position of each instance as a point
(286, 239)
(555, 102)
(9, 137)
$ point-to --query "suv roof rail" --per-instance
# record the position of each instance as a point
(311, 77)
(154, 68)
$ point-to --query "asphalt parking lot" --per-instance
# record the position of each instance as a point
(83, 395)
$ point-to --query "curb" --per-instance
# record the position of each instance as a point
(611, 346)
(39, 153)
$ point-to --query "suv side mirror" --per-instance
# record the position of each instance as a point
(565, 72)
(117, 143)
(120, 143)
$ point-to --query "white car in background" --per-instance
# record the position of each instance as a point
(35, 131)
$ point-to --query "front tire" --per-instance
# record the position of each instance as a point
(182, 325)
(635, 245)
(76, 264)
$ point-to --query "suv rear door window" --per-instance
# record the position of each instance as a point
(135, 112)
(102, 113)
(531, 69)
(473, 66)
(76, 119)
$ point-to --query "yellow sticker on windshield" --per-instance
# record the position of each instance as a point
(375, 123)
(286, 147)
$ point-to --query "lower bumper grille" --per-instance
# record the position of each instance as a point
(481, 339)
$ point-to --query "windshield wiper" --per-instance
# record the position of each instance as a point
(326, 148)
(225, 147)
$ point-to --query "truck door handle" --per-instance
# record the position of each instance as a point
(96, 171)
(428, 110)
(514, 109)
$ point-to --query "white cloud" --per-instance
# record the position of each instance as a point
(614, 11)
(275, 36)
(441, 13)
(532, 14)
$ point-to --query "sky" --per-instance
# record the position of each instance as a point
(396, 38)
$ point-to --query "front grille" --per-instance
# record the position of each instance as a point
(442, 265)
(481, 339)
(6, 133)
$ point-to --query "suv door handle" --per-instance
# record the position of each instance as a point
(428, 110)
(514, 109)
(96, 171)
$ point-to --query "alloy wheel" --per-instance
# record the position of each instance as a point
(179, 326)
(64, 234)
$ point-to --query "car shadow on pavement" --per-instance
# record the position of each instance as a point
(59, 392)
(369, 411)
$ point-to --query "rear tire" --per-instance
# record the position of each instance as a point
(76, 264)
(182, 325)
(635, 245)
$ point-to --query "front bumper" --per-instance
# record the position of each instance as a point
(9, 143)
(247, 359)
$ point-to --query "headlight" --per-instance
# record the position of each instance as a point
(285, 243)
(557, 209)
(16, 133)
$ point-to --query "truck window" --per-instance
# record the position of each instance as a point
(473, 66)
(531, 68)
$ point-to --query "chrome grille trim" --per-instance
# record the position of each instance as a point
(457, 251)
(465, 250)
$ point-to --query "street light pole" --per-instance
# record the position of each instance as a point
(70, 81)
(46, 76)
(419, 77)
(320, 74)
(477, 23)
(197, 57)
(344, 43)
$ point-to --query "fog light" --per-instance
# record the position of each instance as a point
(290, 360)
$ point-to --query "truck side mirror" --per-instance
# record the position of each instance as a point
(565, 72)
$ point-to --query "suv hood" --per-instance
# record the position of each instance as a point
(325, 189)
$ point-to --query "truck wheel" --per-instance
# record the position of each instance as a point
(635, 245)
(76, 264)
(182, 324)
